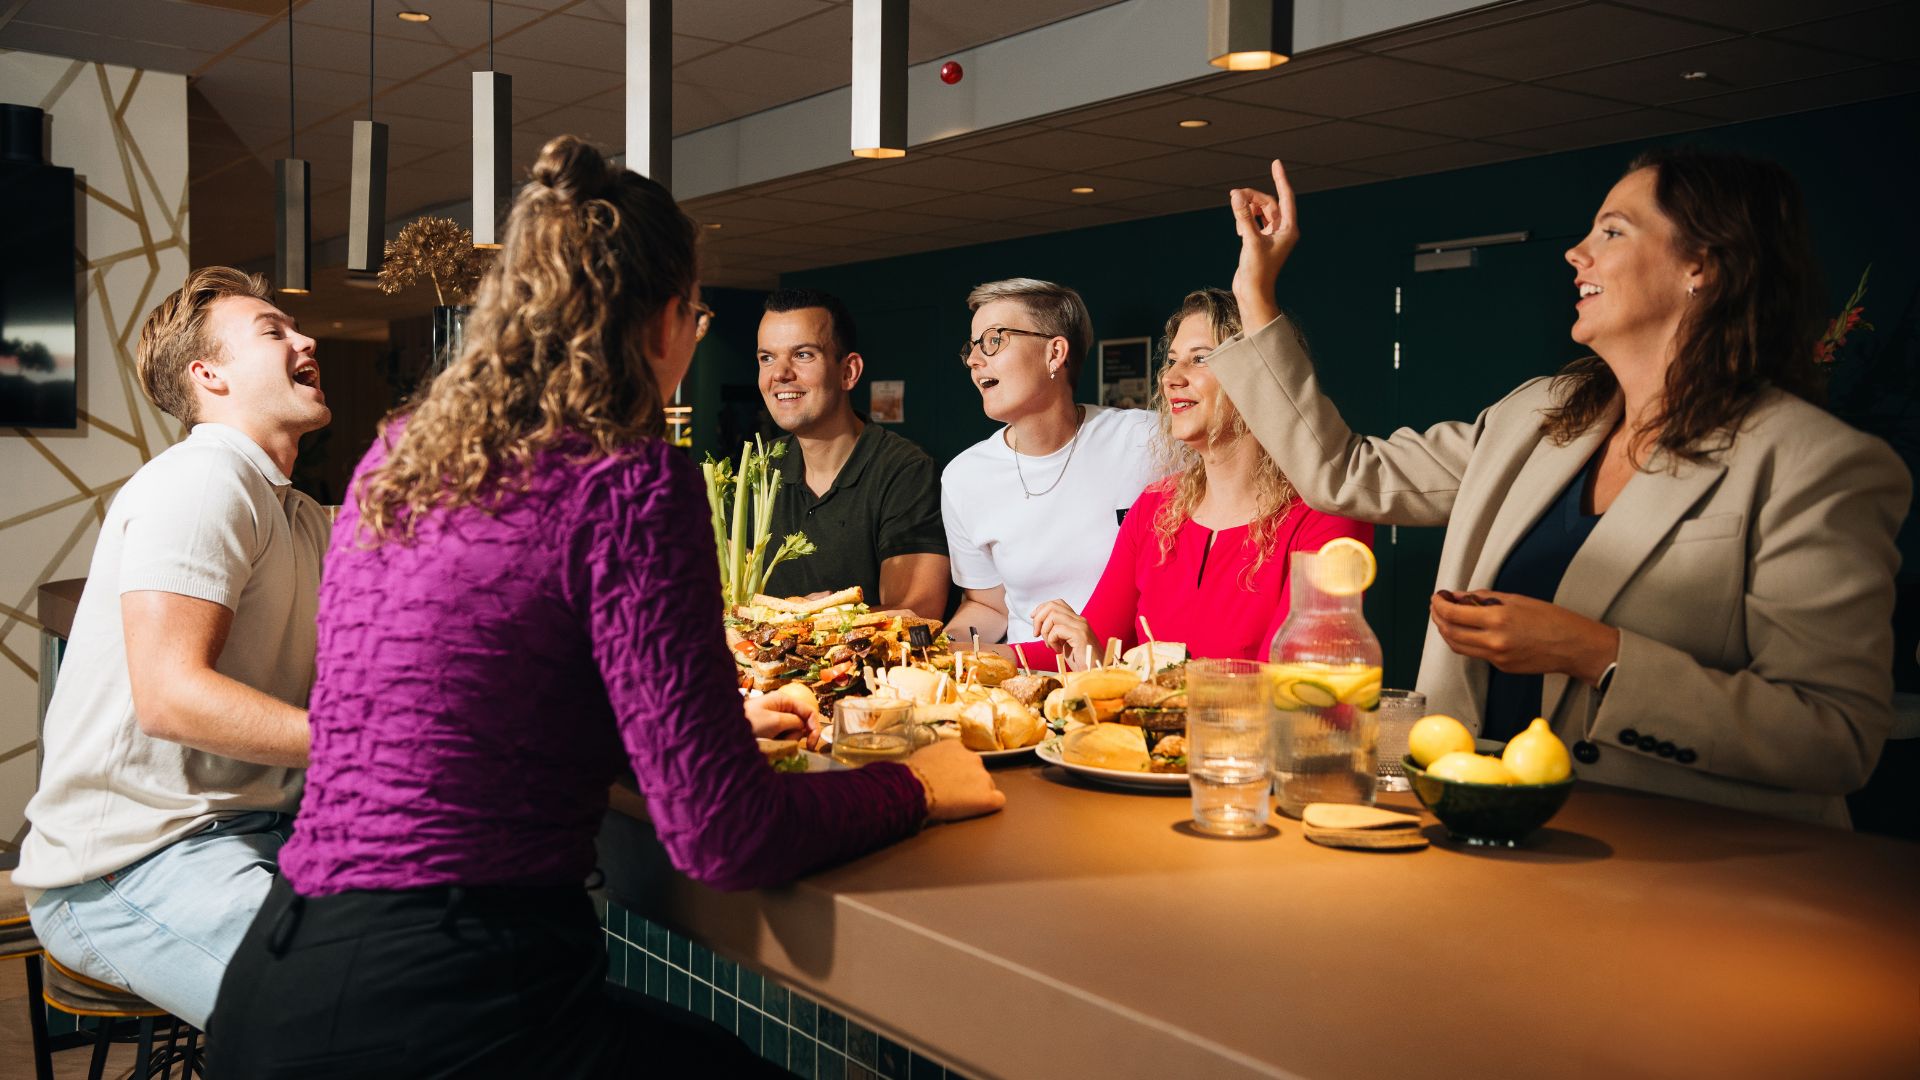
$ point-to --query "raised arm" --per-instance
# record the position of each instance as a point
(1409, 479)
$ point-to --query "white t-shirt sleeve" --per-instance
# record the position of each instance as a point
(191, 531)
(972, 566)
(1140, 453)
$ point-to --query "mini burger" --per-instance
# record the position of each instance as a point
(1105, 687)
(784, 755)
(1160, 713)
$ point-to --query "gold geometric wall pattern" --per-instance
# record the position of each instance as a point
(124, 133)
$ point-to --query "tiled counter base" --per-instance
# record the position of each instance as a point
(797, 1033)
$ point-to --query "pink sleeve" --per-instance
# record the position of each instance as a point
(1313, 533)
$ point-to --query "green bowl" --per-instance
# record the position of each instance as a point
(1489, 815)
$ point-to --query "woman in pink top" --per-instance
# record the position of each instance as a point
(1202, 555)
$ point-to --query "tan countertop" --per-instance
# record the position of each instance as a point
(1086, 932)
(58, 602)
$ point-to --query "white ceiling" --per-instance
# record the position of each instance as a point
(1507, 80)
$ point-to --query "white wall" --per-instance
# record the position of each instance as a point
(124, 133)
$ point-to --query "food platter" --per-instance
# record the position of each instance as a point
(1049, 751)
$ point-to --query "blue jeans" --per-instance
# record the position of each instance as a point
(166, 926)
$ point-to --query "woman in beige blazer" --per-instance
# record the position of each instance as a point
(1720, 628)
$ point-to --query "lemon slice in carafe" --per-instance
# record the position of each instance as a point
(1343, 567)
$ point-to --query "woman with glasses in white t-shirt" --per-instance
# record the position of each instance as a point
(1032, 510)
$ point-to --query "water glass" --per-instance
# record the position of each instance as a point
(857, 748)
(1399, 711)
(1229, 746)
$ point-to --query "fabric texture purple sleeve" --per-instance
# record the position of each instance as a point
(644, 577)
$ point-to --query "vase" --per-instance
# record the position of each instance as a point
(449, 335)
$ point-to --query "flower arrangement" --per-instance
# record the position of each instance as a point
(439, 250)
(1851, 318)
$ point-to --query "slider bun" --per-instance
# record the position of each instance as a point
(919, 685)
(991, 669)
(1106, 746)
(1070, 708)
(1105, 682)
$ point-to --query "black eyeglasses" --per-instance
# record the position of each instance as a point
(993, 339)
(704, 316)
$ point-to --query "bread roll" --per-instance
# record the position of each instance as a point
(1017, 726)
(977, 726)
(1106, 746)
(1105, 682)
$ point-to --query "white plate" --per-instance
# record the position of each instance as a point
(993, 755)
(1049, 752)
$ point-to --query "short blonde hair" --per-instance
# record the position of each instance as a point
(1057, 312)
(175, 335)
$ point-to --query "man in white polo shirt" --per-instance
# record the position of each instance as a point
(177, 736)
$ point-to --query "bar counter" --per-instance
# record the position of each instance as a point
(1089, 932)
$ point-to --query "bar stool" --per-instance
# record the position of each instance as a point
(17, 942)
(124, 1016)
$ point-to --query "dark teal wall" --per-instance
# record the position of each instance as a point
(1467, 336)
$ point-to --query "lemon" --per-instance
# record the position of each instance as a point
(1436, 736)
(1537, 756)
(1344, 567)
(1467, 767)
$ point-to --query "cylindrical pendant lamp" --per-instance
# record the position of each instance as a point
(879, 78)
(650, 89)
(1249, 35)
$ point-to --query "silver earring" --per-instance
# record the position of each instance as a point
(1052, 373)
(1692, 292)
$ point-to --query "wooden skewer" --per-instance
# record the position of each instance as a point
(1153, 661)
(1112, 653)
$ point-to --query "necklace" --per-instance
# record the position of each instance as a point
(1013, 440)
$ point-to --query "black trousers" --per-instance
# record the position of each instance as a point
(487, 981)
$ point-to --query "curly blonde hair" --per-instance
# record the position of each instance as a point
(1188, 483)
(553, 351)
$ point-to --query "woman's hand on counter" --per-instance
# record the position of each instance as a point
(1523, 636)
(957, 784)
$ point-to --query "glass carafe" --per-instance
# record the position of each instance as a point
(1326, 686)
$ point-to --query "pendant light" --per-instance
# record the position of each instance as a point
(293, 205)
(1249, 35)
(492, 147)
(650, 89)
(367, 193)
(879, 78)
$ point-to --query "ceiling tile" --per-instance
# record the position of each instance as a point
(1569, 39)
(1355, 87)
(1471, 19)
(739, 21)
(1068, 150)
(863, 194)
(776, 78)
(1226, 121)
(1186, 167)
(1860, 84)
(1106, 189)
(1324, 177)
(344, 50)
(57, 41)
(1080, 117)
(796, 213)
(1740, 64)
(908, 221)
(988, 232)
(982, 207)
(951, 172)
(828, 35)
(1886, 33)
(1601, 130)
(1335, 142)
(1431, 159)
(974, 140)
(581, 41)
(1749, 14)
(1515, 107)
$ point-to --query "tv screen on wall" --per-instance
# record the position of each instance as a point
(38, 371)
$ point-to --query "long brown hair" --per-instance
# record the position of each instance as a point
(593, 253)
(1188, 484)
(1754, 323)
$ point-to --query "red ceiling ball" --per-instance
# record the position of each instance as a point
(951, 72)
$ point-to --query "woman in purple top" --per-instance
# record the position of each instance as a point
(521, 596)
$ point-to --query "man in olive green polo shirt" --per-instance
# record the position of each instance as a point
(867, 498)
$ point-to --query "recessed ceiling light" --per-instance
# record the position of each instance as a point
(713, 225)
(414, 16)
(1195, 123)
(1694, 76)
(1081, 190)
